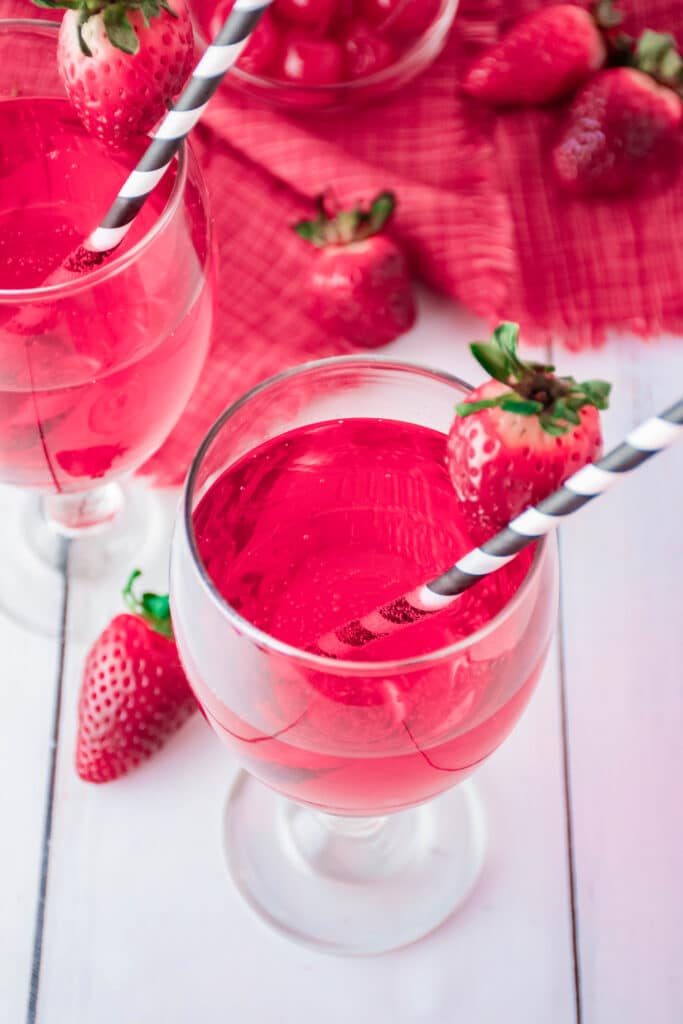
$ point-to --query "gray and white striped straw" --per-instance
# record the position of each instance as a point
(167, 139)
(651, 437)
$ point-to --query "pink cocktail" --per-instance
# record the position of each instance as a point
(95, 369)
(96, 380)
(321, 496)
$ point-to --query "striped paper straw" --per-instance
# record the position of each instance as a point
(651, 437)
(167, 139)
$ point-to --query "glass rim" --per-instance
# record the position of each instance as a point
(260, 637)
(118, 263)
(448, 8)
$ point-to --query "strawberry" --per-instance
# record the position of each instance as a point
(542, 58)
(519, 435)
(366, 51)
(625, 123)
(307, 59)
(358, 285)
(134, 694)
(258, 54)
(122, 61)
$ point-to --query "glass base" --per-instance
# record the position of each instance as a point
(35, 557)
(352, 886)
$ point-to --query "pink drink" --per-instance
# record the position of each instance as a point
(96, 381)
(319, 526)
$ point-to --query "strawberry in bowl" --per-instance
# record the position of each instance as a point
(325, 54)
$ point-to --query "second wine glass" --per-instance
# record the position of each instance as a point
(94, 372)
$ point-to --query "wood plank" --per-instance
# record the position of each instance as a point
(623, 651)
(29, 666)
(144, 925)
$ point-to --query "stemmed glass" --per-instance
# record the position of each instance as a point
(352, 831)
(95, 371)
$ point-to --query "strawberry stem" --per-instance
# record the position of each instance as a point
(153, 608)
(534, 388)
(117, 24)
(345, 226)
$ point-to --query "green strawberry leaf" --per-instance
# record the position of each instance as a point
(119, 30)
(563, 411)
(381, 210)
(552, 428)
(505, 337)
(597, 392)
(521, 406)
(606, 15)
(493, 360)
(310, 231)
(153, 608)
(346, 226)
(657, 55)
(467, 408)
(156, 605)
(55, 5)
(576, 402)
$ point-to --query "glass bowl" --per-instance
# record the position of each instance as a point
(411, 61)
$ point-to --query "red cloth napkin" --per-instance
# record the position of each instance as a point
(479, 212)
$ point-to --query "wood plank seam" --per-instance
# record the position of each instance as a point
(566, 775)
(566, 771)
(39, 928)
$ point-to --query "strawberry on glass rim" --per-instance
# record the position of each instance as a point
(134, 694)
(123, 61)
(519, 435)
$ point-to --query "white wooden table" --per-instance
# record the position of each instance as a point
(579, 913)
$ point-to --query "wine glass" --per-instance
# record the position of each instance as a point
(318, 496)
(94, 371)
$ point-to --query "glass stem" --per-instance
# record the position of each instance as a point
(85, 512)
(352, 828)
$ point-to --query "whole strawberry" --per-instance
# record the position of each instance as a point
(542, 58)
(122, 62)
(358, 284)
(134, 694)
(520, 435)
(625, 123)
